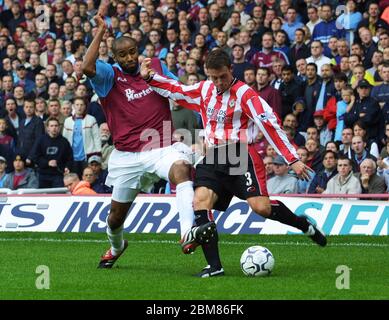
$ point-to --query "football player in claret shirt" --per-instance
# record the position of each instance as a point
(232, 115)
(136, 117)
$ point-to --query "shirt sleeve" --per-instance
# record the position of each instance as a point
(263, 116)
(103, 81)
(188, 97)
(167, 73)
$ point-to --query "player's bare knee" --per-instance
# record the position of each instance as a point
(114, 221)
(180, 172)
(117, 216)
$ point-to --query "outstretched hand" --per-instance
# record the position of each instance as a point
(99, 17)
(301, 170)
(145, 68)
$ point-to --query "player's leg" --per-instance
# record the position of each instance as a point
(258, 200)
(173, 163)
(180, 175)
(204, 200)
(278, 211)
(122, 199)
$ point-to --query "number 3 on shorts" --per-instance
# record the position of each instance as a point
(249, 180)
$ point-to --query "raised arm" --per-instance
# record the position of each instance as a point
(186, 96)
(89, 61)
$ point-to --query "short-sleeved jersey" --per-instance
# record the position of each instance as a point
(136, 115)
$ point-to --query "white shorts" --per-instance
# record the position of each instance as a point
(140, 170)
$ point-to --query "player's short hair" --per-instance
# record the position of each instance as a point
(217, 59)
(121, 40)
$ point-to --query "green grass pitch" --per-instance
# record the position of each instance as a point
(153, 268)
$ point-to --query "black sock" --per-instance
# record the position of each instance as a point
(210, 249)
(281, 213)
(211, 252)
(201, 217)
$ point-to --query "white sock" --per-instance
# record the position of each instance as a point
(184, 198)
(116, 239)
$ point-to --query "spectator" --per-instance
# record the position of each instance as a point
(41, 108)
(99, 185)
(314, 160)
(381, 92)
(349, 20)
(53, 111)
(3, 173)
(75, 186)
(344, 182)
(359, 152)
(299, 49)
(366, 109)
(325, 135)
(40, 89)
(23, 81)
(319, 182)
(302, 184)
(345, 147)
(290, 120)
(317, 57)
(22, 177)
(282, 182)
(290, 90)
(370, 181)
(314, 18)
(30, 129)
(239, 64)
(373, 20)
(311, 95)
(301, 67)
(269, 167)
(291, 24)
(249, 77)
(324, 30)
(332, 146)
(359, 129)
(345, 103)
(267, 92)
(53, 155)
(265, 57)
(82, 132)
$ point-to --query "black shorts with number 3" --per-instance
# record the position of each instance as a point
(251, 183)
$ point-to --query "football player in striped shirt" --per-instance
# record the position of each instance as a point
(232, 115)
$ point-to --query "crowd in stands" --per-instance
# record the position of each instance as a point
(322, 65)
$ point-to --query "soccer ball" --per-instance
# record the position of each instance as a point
(257, 261)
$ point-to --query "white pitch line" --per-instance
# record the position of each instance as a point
(275, 243)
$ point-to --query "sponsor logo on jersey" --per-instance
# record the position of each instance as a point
(132, 95)
(122, 79)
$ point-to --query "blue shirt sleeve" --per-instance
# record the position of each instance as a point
(167, 73)
(103, 81)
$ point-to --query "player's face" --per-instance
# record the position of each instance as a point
(126, 55)
(221, 78)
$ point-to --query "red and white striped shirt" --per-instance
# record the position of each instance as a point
(232, 116)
